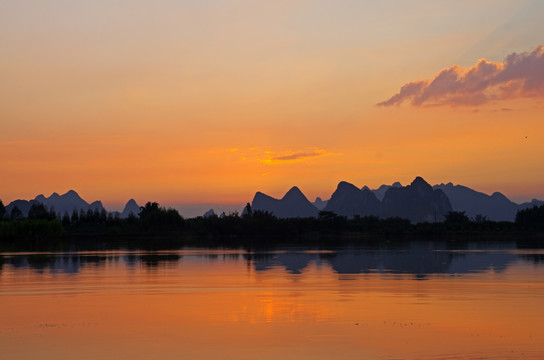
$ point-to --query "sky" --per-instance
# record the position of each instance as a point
(209, 101)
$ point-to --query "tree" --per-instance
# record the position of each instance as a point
(103, 216)
(262, 214)
(75, 217)
(531, 217)
(53, 213)
(16, 213)
(39, 211)
(153, 216)
(247, 213)
(456, 217)
(149, 208)
(2, 210)
(66, 219)
(326, 215)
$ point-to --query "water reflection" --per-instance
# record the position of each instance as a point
(536, 259)
(419, 262)
(286, 303)
(420, 259)
(157, 260)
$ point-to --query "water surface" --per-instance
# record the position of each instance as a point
(416, 301)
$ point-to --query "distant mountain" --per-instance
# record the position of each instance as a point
(418, 202)
(530, 204)
(64, 203)
(320, 204)
(61, 204)
(347, 200)
(131, 207)
(294, 204)
(380, 192)
(96, 205)
(496, 207)
(209, 213)
(22, 205)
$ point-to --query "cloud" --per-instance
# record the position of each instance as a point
(294, 156)
(519, 75)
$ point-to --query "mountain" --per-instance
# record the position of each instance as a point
(320, 204)
(293, 204)
(347, 200)
(380, 192)
(533, 202)
(22, 205)
(418, 202)
(131, 207)
(96, 205)
(209, 213)
(65, 203)
(496, 207)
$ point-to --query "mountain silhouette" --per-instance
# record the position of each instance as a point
(496, 207)
(61, 204)
(131, 207)
(347, 200)
(293, 205)
(209, 213)
(533, 202)
(96, 205)
(418, 202)
(319, 203)
(22, 205)
(380, 192)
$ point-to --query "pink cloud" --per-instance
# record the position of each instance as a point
(519, 75)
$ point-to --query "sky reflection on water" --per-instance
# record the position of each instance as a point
(480, 301)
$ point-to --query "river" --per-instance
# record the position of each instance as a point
(417, 300)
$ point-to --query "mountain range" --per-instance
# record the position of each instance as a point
(67, 204)
(496, 206)
(418, 202)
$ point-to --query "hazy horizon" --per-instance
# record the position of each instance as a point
(194, 209)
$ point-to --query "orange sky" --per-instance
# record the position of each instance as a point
(189, 102)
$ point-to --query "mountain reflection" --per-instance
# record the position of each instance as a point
(294, 263)
(419, 263)
(419, 259)
(154, 260)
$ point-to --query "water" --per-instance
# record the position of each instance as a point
(416, 301)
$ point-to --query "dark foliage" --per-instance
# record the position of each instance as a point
(2, 210)
(155, 226)
(456, 218)
(248, 212)
(16, 213)
(531, 217)
(30, 228)
(40, 212)
(153, 217)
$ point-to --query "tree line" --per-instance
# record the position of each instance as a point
(156, 220)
